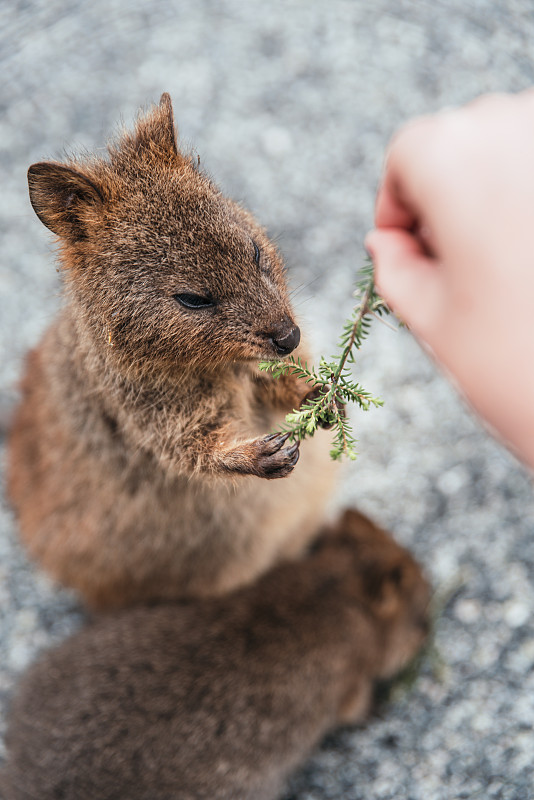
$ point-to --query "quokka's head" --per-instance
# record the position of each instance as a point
(164, 270)
(383, 579)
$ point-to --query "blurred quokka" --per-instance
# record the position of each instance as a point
(139, 457)
(219, 699)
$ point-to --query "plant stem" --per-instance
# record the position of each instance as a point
(362, 311)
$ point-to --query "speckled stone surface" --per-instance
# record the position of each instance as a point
(290, 105)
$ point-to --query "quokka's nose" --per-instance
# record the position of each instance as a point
(285, 344)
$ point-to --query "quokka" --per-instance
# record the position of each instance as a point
(140, 456)
(220, 698)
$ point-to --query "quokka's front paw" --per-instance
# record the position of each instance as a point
(273, 460)
(265, 457)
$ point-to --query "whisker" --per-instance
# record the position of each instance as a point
(302, 301)
(306, 285)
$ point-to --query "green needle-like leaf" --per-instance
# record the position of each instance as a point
(332, 380)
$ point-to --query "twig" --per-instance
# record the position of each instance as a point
(333, 380)
(360, 314)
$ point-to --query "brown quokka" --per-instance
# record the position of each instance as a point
(139, 453)
(219, 699)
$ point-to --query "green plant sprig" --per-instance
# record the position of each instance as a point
(332, 385)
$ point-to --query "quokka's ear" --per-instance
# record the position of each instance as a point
(167, 116)
(63, 199)
(384, 588)
(155, 132)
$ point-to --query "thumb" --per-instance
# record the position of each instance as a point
(408, 279)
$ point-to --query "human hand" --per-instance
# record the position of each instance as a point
(453, 251)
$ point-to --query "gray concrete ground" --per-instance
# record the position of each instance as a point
(290, 105)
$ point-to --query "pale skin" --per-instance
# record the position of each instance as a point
(453, 250)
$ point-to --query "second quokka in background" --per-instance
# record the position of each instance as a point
(219, 699)
(140, 452)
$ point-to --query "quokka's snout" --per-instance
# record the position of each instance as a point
(286, 341)
(283, 336)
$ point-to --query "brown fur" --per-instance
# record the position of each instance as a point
(135, 454)
(219, 699)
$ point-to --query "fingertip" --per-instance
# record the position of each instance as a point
(372, 244)
(368, 243)
(391, 210)
(405, 276)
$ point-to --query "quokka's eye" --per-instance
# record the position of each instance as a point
(256, 254)
(194, 300)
